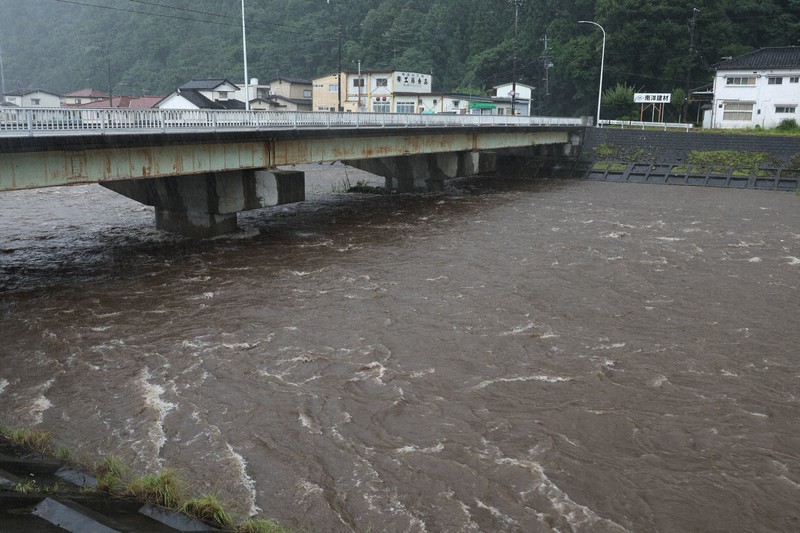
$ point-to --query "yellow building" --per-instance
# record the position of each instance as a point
(371, 91)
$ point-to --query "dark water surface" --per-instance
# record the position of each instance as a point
(504, 356)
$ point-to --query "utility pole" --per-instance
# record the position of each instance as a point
(339, 82)
(2, 73)
(547, 64)
(110, 84)
(690, 62)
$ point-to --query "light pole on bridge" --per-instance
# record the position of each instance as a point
(517, 3)
(602, 62)
(244, 53)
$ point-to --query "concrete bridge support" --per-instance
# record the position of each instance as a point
(545, 161)
(426, 172)
(204, 205)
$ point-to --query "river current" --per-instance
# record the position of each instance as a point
(504, 356)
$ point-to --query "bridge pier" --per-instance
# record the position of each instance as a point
(426, 172)
(205, 205)
(543, 161)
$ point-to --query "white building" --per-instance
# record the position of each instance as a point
(33, 98)
(203, 94)
(760, 88)
(522, 98)
(372, 91)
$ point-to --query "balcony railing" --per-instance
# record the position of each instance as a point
(20, 121)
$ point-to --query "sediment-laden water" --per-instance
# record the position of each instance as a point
(504, 356)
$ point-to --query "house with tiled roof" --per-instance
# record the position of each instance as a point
(33, 98)
(297, 89)
(203, 94)
(124, 102)
(760, 88)
(281, 94)
(83, 96)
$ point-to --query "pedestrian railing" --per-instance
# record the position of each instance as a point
(15, 121)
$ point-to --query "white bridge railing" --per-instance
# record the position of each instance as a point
(20, 121)
(640, 125)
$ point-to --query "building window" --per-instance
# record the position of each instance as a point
(405, 107)
(737, 111)
(358, 82)
(381, 82)
(775, 81)
(501, 111)
(739, 80)
(333, 88)
(383, 107)
(36, 101)
(785, 109)
(222, 95)
(306, 93)
(794, 79)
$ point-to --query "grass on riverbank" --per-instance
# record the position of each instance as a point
(165, 489)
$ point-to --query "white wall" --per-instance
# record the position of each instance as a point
(28, 100)
(766, 98)
(176, 101)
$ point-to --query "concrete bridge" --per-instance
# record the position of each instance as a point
(199, 168)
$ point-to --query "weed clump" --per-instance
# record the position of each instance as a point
(111, 474)
(37, 441)
(164, 489)
(208, 509)
(261, 526)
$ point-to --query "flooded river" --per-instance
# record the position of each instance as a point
(505, 356)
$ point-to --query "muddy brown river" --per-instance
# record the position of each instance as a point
(505, 356)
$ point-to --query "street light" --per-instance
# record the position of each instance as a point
(602, 61)
(517, 3)
(244, 52)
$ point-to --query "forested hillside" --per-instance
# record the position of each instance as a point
(138, 46)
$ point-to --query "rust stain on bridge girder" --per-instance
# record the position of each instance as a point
(52, 168)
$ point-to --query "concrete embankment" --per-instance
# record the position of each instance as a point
(676, 158)
(41, 495)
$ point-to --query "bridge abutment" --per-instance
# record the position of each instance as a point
(205, 205)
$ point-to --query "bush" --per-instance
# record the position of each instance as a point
(788, 125)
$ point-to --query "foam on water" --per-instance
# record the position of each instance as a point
(240, 465)
(576, 515)
(540, 377)
(415, 449)
(38, 406)
(152, 394)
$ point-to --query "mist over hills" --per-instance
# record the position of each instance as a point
(140, 47)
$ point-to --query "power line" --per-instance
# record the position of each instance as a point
(236, 20)
(163, 15)
(295, 30)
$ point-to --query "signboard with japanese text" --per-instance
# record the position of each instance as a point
(412, 82)
(651, 98)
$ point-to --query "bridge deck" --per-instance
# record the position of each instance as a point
(53, 153)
